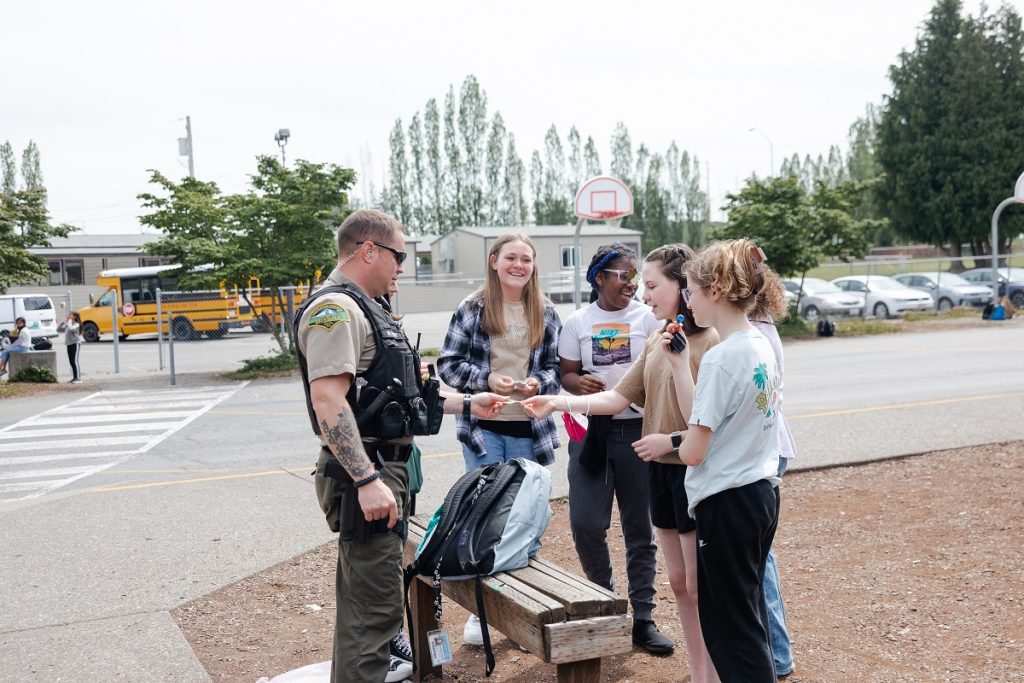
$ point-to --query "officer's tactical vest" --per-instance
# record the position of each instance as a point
(389, 399)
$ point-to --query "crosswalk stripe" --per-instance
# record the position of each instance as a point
(44, 473)
(117, 414)
(215, 390)
(59, 457)
(93, 429)
(75, 443)
(136, 407)
(98, 418)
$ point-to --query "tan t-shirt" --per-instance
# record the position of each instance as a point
(649, 384)
(510, 355)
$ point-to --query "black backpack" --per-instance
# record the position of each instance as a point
(41, 344)
(491, 521)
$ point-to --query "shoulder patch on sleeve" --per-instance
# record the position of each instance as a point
(327, 315)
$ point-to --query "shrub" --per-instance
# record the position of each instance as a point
(267, 366)
(36, 374)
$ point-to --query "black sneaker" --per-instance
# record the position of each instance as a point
(647, 636)
(400, 647)
(398, 670)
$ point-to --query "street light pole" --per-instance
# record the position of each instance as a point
(281, 136)
(771, 150)
(1017, 198)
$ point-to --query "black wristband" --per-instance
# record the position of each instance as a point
(366, 480)
(467, 401)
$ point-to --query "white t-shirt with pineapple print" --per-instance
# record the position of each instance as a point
(737, 397)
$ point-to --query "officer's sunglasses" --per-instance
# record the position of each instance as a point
(400, 256)
(631, 276)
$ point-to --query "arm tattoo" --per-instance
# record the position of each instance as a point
(346, 444)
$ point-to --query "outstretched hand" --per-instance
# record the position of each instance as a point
(486, 406)
(539, 407)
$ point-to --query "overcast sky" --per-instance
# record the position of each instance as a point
(103, 88)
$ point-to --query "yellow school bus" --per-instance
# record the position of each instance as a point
(195, 313)
(260, 308)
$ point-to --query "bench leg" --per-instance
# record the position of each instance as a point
(586, 671)
(421, 599)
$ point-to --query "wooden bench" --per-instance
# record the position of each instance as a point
(561, 618)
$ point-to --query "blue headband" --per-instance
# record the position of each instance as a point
(599, 266)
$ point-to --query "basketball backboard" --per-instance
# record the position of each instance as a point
(603, 198)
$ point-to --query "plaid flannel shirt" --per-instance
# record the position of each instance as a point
(465, 365)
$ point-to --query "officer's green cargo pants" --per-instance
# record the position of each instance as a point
(368, 585)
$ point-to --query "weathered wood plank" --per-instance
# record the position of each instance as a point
(583, 639)
(587, 671)
(621, 604)
(421, 599)
(578, 598)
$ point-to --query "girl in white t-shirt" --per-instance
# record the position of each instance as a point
(732, 449)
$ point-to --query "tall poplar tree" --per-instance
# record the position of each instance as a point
(435, 177)
(514, 210)
(8, 169)
(454, 173)
(591, 158)
(398, 174)
(473, 135)
(417, 174)
(494, 170)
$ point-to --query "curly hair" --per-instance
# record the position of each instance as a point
(770, 303)
(733, 267)
(673, 259)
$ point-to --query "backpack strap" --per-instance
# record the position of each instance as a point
(488, 651)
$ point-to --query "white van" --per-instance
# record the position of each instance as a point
(37, 310)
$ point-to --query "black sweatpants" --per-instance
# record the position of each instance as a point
(73, 350)
(735, 529)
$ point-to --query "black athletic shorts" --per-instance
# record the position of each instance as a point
(668, 498)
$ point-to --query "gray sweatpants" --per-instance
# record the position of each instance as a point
(625, 477)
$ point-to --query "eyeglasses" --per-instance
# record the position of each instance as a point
(400, 256)
(631, 276)
(687, 293)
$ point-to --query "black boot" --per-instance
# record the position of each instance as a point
(647, 636)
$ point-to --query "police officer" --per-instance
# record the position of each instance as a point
(363, 391)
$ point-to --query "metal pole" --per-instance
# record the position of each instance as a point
(188, 136)
(117, 334)
(576, 255)
(170, 343)
(995, 247)
(160, 328)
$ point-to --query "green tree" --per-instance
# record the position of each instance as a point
(514, 209)
(473, 135)
(795, 229)
(494, 171)
(31, 168)
(398, 171)
(434, 181)
(576, 167)
(592, 160)
(622, 154)
(281, 230)
(556, 200)
(24, 224)
(417, 175)
(8, 170)
(453, 174)
(537, 188)
(951, 137)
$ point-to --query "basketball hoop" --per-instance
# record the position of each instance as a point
(603, 198)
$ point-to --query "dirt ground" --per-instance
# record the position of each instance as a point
(904, 570)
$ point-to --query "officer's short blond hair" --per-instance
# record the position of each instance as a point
(366, 225)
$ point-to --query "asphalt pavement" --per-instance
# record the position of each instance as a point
(209, 481)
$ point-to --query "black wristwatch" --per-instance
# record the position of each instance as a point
(467, 401)
(677, 439)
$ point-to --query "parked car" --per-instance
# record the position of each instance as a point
(883, 296)
(948, 288)
(822, 298)
(1011, 282)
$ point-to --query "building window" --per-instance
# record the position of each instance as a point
(568, 257)
(66, 272)
(145, 261)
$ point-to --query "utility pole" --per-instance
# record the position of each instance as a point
(188, 143)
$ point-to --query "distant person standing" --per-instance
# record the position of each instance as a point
(72, 329)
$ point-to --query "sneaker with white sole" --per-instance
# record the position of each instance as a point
(400, 647)
(398, 670)
(471, 634)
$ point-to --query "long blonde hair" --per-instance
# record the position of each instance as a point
(533, 298)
